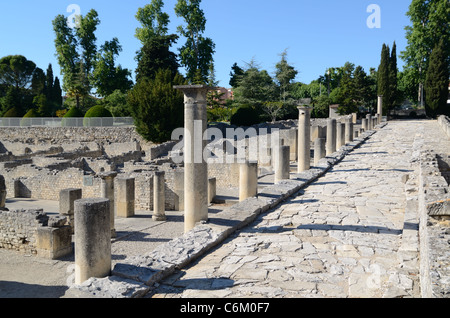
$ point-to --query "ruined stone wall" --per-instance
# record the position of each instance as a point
(18, 229)
(58, 135)
(434, 229)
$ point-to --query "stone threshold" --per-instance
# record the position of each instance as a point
(135, 277)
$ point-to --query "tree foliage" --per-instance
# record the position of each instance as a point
(157, 108)
(82, 65)
(107, 77)
(387, 78)
(436, 82)
(155, 55)
(196, 54)
(17, 71)
(284, 75)
(429, 24)
(153, 21)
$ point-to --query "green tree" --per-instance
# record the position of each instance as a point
(12, 100)
(235, 74)
(42, 105)
(157, 108)
(197, 53)
(17, 71)
(153, 21)
(393, 97)
(347, 95)
(117, 104)
(76, 52)
(284, 74)
(436, 83)
(383, 78)
(155, 55)
(429, 24)
(107, 77)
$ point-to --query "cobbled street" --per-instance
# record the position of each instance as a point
(345, 235)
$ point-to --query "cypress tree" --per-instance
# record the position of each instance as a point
(383, 78)
(393, 84)
(436, 82)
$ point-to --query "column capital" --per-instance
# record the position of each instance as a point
(194, 93)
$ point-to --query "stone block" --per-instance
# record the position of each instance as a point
(125, 200)
(439, 208)
(54, 242)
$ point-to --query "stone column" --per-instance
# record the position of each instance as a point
(348, 129)
(107, 192)
(67, 197)
(369, 122)
(92, 239)
(282, 163)
(248, 180)
(331, 136)
(304, 139)
(380, 108)
(340, 135)
(125, 197)
(2, 193)
(195, 166)
(159, 196)
(319, 150)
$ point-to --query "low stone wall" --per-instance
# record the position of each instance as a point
(33, 232)
(434, 230)
(58, 135)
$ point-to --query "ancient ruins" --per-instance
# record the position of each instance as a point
(99, 174)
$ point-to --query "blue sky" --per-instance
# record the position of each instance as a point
(316, 34)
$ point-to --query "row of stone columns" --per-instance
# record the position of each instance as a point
(94, 218)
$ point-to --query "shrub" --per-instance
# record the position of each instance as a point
(13, 112)
(246, 116)
(98, 111)
(74, 112)
(26, 120)
(157, 108)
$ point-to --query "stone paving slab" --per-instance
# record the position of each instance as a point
(347, 235)
(146, 271)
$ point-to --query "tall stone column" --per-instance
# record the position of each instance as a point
(107, 192)
(304, 139)
(380, 108)
(195, 166)
(92, 239)
(282, 163)
(331, 136)
(248, 180)
(159, 196)
(340, 135)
